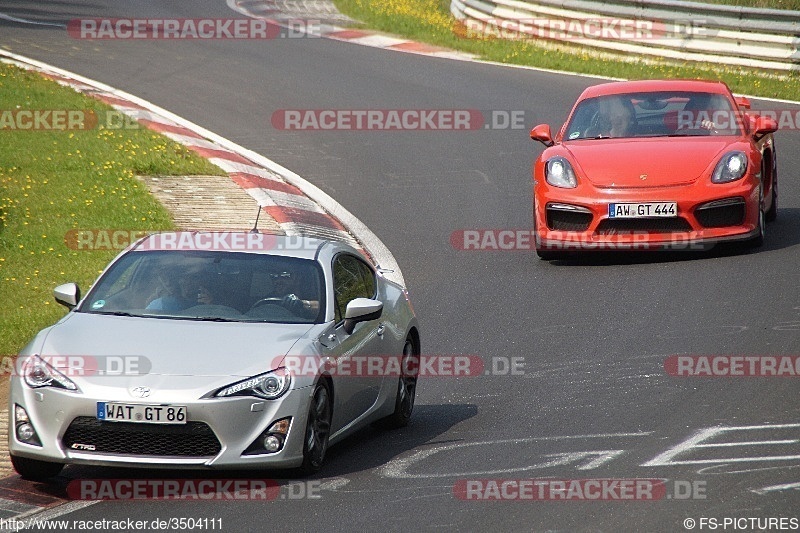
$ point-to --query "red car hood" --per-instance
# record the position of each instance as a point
(653, 162)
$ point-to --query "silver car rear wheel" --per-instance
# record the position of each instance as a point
(406, 389)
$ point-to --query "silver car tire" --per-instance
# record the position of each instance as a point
(406, 392)
(318, 430)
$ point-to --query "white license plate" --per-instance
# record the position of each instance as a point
(643, 210)
(144, 414)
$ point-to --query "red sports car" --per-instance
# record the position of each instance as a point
(642, 165)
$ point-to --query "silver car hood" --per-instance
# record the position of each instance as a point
(176, 349)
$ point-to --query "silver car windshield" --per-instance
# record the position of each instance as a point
(654, 114)
(213, 286)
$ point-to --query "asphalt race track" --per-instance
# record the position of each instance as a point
(592, 401)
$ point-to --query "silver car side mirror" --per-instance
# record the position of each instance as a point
(361, 310)
(68, 294)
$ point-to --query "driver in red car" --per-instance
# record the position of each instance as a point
(709, 112)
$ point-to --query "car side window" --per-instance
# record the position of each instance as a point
(369, 280)
(352, 278)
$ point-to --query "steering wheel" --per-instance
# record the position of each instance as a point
(700, 131)
(266, 301)
(599, 126)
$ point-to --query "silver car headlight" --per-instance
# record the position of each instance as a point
(37, 373)
(558, 173)
(268, 386)
(731, 167)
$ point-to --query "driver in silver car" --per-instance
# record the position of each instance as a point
(285, 285)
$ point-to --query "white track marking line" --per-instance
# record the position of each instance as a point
(34, 22)
(372, 244)
(51, 513)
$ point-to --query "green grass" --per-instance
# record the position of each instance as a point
(430, 21)
(52, 182)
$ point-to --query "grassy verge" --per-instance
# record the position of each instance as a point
(55, 181)
(430, 21)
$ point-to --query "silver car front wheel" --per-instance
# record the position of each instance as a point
(318, 429)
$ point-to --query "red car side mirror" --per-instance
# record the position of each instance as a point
(763, 126)
(542, 134)
(742, 102)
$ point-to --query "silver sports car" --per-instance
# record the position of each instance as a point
(201, 350)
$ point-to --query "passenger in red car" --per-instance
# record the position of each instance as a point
(621, 117)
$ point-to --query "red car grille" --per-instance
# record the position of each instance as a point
(568, 220)
(721, 216)
(650, 225)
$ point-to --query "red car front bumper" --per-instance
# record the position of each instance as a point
(578, 219)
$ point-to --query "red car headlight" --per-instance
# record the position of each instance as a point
(558, 173)
(731, 167)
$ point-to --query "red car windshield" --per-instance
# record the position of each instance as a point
(654, 114)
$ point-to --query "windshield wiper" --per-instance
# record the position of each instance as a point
(114, 313)
(590, 138)
(210, 319)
